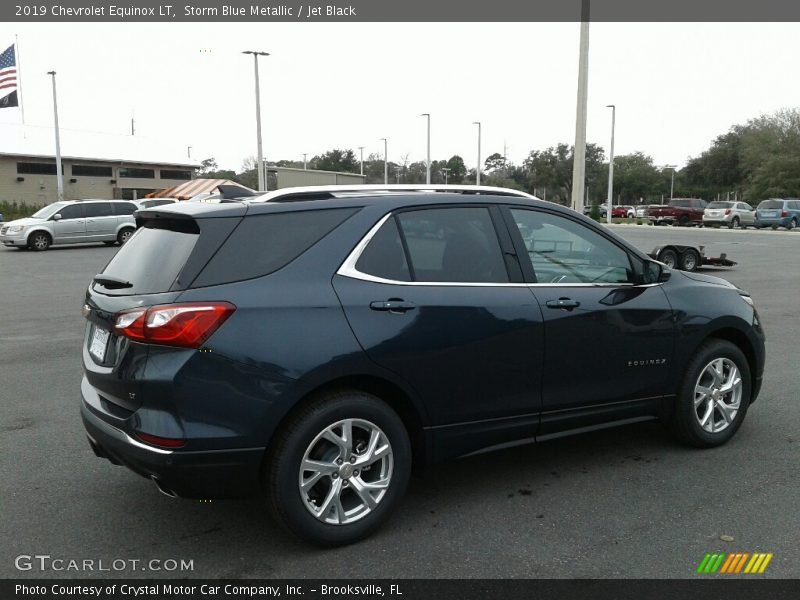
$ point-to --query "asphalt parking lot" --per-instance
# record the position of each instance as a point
(620, 503)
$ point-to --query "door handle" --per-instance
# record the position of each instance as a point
(392, 305)
(565, 303)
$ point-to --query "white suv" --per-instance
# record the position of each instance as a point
(72, 222)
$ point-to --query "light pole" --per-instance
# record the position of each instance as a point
(446, 171)
(672, 178)
(610, 202)
(428, 161)
(59, 170)
(262, 180)
(579, 152)
(361, 149)
(385, 161)
(305, 161)
(189, 151)
(478, 166)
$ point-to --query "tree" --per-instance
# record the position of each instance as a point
(207, 165)
(495, 162)
(635, 177)
(552, 169)
(343, 161)
(458, 170)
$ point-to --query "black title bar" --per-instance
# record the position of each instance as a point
(398, 10)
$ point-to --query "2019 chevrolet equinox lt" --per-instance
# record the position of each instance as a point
(314, 345)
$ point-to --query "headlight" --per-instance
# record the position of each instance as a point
(16, 228)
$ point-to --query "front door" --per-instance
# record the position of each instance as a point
(71, 227)
(609, 343)
(431, 298)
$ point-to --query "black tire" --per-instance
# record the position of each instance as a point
(109, 243)
(281, 470)
(685, 424)
(734, 223)
(669, 257)
(690, 260)
(39, 241)
(124, 235)
(683, 221)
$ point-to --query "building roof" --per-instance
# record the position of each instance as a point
(192, 188)
(79, 145)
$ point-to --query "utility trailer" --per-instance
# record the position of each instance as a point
(688, 258)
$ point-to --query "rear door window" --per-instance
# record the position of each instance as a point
(384, 256)
(98, 209)
(262, 244)
(457, 244)
(124, 208)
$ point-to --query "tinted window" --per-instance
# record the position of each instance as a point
(90, 171)
(262, 244)
(152, 203)
(142, 173)
(153, 257)
(124, 208)
(384, 256)
(175, 174)
(720, 205)
(71, 211)
(36, 168)
(453, 245)
(97, 209)
(771, 204)
(564, 251)
(684, 203)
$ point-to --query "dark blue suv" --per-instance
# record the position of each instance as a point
(318, 345)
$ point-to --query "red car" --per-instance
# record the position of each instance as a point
(623, 212)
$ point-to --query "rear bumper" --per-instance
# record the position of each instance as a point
(773, 222)
(198, 474)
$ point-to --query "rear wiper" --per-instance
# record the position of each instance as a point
(112, 283)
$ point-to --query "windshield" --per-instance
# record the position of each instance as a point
(48, 211)
(720, 205)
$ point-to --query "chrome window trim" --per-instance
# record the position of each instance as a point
(348, 269)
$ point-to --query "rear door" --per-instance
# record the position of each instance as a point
(101, 223)
(71, 227)
(608, 342)
(435, 296)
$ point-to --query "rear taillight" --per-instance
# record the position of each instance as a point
(187, 325)
(155, 440)
(784, 213)
(727, 211)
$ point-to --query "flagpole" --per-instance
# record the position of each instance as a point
(59, 170)
(20, 96)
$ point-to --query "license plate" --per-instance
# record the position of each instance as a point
(99, 343)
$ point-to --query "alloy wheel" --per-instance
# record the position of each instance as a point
(718, 395)
(346, 471)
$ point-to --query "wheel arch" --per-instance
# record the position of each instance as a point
(388, 391)
(739, 339)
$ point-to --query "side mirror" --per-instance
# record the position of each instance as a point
(57, 217)
(654, 272)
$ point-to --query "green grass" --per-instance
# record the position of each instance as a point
(17, 210)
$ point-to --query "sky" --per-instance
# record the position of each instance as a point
(676, 86)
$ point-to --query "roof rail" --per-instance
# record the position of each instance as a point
(326, 192)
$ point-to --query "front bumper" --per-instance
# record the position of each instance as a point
(13, 239)
(188, 474)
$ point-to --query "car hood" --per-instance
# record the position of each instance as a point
(708, 279)
(26, 221)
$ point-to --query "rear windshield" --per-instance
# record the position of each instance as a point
(680, 202)
(152, 258)
(720, 205)
(771, 204)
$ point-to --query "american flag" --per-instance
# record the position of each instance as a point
(8, 77)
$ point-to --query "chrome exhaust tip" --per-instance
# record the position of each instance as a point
(162, 488)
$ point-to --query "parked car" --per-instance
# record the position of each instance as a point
(623, 211)
(602, 208)
(778, 212)
(351, 344)
(730, 214)
(151, 202)
(679, 211)
(72, 222)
